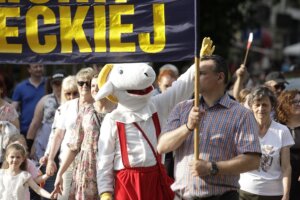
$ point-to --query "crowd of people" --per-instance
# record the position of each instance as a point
(68, 142)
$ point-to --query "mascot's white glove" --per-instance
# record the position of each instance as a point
(207, 47)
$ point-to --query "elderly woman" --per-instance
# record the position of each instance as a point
(69, 91)
(85, 145)
(64, 128)
(272, 180)
(288, 113)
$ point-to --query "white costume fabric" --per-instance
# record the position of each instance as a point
(14, 187)
(267, 180)
(135, 108)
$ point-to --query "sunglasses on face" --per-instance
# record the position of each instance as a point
(279, 87)
(81, 83)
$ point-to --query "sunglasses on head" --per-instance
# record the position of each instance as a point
(81, 83)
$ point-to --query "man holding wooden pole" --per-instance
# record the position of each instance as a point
(228, 138)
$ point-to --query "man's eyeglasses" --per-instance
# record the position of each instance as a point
(280, 86)
(74, 93)
(81, 83)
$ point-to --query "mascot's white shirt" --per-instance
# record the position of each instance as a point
(139, 152)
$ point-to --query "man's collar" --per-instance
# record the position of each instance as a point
(224, 101)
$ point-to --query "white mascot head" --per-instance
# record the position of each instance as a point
(129, 85)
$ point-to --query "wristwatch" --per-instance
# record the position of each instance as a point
(214, 170)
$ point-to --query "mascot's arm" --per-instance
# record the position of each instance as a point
(105, 157)
(180, 90)
(183, 88)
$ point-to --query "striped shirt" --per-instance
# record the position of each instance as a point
(227, 129)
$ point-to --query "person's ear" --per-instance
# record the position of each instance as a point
(221, 76)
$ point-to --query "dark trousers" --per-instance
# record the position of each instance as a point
(169, 164)
(249, 196)
(230, 195)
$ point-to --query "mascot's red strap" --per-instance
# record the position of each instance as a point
(123, 140)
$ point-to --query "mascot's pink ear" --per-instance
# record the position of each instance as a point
(105, 91)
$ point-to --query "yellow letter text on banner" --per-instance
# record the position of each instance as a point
(6, 32)
(72, 29)
(32, 29)
(9, 1)
(39, 1)
(117, 28)
(159, 32)
(100, 29)
(121, 1)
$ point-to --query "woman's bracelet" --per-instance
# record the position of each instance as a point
(188, 127)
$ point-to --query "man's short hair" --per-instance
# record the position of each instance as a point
(221, 65)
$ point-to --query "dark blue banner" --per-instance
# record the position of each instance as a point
(99, 31)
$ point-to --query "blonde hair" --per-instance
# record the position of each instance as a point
(20, 148)
(85, 73)
(69, 84)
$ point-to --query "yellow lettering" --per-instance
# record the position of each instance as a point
(121, 1)
(32, 29)
(99, 28)
(72, 29)
(82, 1)
(117, 28)
(159, 32)
(10, 1)
(8, 31)
(39, 1)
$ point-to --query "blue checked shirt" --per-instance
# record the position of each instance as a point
(226, 130)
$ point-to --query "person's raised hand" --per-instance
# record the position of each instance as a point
(242, 72)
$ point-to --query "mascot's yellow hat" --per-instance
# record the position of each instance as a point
(102, 78)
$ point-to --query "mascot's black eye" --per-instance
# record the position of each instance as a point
(120, 71)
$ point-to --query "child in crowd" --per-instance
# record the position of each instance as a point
(31, 166)
(14, 179)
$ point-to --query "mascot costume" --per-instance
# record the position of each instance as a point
(128, 166)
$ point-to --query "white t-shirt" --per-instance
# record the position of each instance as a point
(14, 187)
(267, 180)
